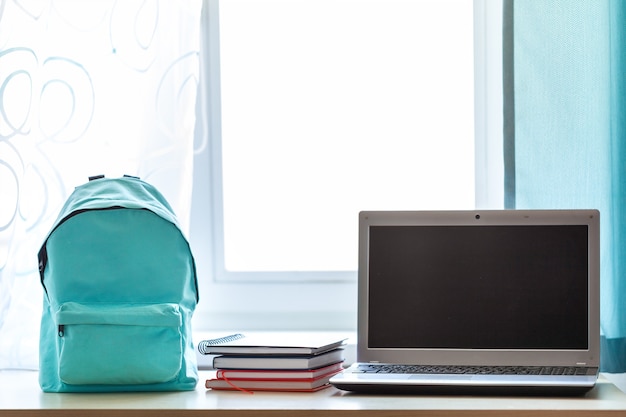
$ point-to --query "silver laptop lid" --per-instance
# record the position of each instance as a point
(499, 287)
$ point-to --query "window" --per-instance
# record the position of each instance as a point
(315, 110)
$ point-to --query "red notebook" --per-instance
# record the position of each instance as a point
(274, 380)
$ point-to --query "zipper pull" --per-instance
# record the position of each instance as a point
(61, 330)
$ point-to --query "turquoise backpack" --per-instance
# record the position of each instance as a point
(120, 289)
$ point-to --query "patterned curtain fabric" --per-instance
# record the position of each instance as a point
(86, 88)
(565, 120)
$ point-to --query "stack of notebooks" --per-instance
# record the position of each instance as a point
(273, 362)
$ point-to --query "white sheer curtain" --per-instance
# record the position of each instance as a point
(86, 88)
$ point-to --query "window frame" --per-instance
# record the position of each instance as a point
(312, 299)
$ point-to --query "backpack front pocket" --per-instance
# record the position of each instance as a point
(114, 344)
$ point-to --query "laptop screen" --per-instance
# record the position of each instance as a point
(477, 288)
(469, 287)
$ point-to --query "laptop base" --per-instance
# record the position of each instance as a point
(400, 389)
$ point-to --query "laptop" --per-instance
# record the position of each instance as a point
(463, 302)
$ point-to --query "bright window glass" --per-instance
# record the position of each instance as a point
(330, 107)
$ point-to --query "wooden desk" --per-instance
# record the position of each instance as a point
(20, 396)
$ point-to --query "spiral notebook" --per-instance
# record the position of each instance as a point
(477, 301)
(271, 343)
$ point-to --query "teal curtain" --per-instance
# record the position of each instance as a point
(565, 120)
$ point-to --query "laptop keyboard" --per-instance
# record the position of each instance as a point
(484, 370)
